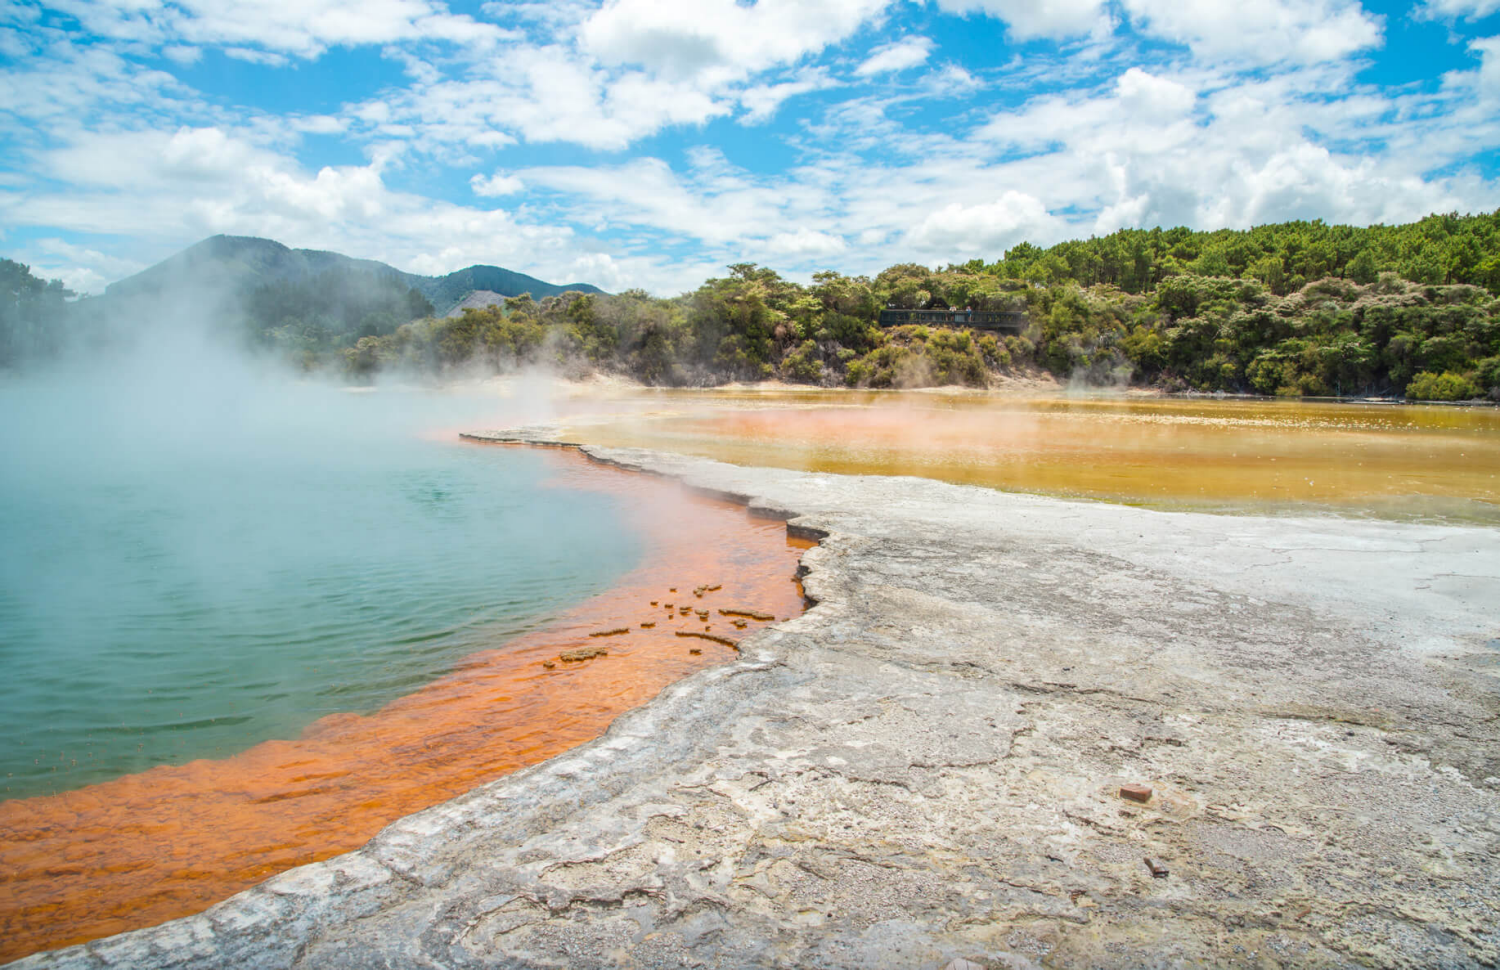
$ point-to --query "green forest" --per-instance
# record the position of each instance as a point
(1294, 309)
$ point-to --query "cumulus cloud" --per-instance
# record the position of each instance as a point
(985, 228)
(1145, 95)
(543, 94)
(164, 189)
(304, 29)
(1488, 49)
(1269, 31)
(55, 81)
(1263, 117)
(1029, 19)
(899, 56)
(805, 242)
(1466, 9)
(497, 184)
(689, 37)
(317, 124)
(713, 205)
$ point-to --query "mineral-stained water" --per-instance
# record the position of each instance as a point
(186, 571)
(1406, 462)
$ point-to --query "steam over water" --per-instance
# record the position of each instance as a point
(189, 569)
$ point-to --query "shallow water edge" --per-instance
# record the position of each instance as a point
(164, 843)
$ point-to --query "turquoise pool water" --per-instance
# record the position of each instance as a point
(189, 569)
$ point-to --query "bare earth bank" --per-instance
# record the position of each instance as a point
(927, 765)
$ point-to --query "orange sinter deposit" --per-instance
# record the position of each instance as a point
(164, 843)
(1257, 456)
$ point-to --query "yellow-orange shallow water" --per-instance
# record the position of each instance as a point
(1218, 455)
(170, 841)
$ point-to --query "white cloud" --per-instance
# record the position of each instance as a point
(544, 94)
(317, 124)
(1267, 32)
(1154, 147)
(983, 229)
(908, 52)
(718, 208)
(168, 189)
(1488, 49)
(1267, 120)
(496, 185)
(60, 84)
(1467, 9)
(805, 242)
(762, 101)
(185, 157)
(682, 38)
(950, 82)
(1146, 95)
(304, 29)
(81, 269)
(1029, 19)
(182, 53)
(253, 56)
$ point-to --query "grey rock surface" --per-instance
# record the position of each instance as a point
(926, 766)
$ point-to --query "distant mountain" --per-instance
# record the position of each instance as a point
(446, 292)
(246, 261)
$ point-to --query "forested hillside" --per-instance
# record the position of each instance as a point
(303, 305)
(1299, 308)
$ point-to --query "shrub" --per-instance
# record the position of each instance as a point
(1446, 386)
(1487, 375)
(803, 364)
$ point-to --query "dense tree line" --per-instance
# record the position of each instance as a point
(1294, 309)
(1300, 308)
(32, 314)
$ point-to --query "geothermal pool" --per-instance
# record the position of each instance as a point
(1404, 462)
(189, 605)
(243, 641)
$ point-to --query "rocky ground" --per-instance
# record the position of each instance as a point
(928, 765)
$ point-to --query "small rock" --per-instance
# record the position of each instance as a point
(1136, 793)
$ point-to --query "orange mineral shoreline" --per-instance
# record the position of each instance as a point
(171, 841)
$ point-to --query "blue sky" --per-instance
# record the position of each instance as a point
(651, 142)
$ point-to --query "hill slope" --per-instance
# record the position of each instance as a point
(243, 261)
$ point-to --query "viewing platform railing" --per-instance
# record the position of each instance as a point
(1012, 320)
